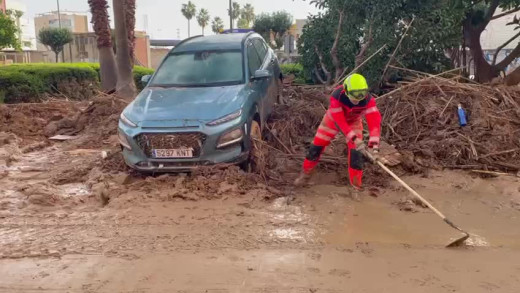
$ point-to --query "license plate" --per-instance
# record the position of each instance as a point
(173, 153)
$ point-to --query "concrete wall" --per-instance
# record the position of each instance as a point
(2, 6)
(497, 32)
(142, 49)
(10, 57)
(157, 55)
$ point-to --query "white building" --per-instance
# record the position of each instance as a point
(27, 35)
(498, 33)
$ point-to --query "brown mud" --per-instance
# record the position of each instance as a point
(73, 221)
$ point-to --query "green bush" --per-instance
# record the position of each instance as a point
(27, 82)
(17, 87)
(295, 69)
(139, 72)
(51, 75)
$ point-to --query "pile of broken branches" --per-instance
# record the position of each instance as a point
(290, 132)
(421, 117)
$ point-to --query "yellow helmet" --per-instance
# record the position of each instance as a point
(356, 86)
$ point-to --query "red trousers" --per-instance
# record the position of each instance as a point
(327, 131)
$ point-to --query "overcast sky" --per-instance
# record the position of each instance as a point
(165, 18)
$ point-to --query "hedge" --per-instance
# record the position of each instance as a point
(139, 72)
(27, 82)
(16, 87)
(295, 69)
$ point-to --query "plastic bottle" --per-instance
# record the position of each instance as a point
(462, 116)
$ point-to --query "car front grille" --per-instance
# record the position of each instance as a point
(149, 141)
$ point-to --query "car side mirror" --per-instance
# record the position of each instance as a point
(145, 79)
(261, 74)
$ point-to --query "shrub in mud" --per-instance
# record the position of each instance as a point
(139, 72)
(295, 69)
(17, 87)
(22, 83)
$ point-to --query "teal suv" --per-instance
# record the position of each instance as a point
(207, 100)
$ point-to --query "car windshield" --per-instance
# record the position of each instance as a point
(204, 68)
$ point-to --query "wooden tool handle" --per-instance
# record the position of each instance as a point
(411, 190)
(369, 155)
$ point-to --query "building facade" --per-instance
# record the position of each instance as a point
(498, 33)
(28, 40)
(77, 23)
(3, 6)
(83, 48)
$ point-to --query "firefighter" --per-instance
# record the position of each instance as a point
(348, 104)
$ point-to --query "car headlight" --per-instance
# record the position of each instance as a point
(230, 137)
(127, 121)
(226, 118)
(123, 140)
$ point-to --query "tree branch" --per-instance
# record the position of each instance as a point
(505, 13)
(334, 49)
(395, 51)
(361, 55)
(491, 11)
(318, 75)
(322, 64)
(509, 58)
(502, 47)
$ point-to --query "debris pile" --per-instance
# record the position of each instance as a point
(28, 120)
(290, 132)
(99, 118)
(421, 117)
(205, 183)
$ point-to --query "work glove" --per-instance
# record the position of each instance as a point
(375, 156)
(360, 145)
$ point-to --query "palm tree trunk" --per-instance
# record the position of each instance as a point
(125, 82)
(188, 28)
(107, 61)
(130, 25)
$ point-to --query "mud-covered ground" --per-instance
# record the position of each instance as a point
(73, 219)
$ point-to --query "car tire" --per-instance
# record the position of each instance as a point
(255, 134)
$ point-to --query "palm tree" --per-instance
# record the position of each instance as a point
(107, 61)
(125, 82)
(248, 13)
(189, 10)
(203, 19)
(217, 25)
(236, 11)
(130, 27)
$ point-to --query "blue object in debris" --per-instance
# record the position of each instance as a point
(462, 116)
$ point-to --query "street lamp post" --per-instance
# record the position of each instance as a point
(230, 16)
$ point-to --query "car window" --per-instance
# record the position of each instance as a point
(253, 59)
(260, 48)
(200, 68)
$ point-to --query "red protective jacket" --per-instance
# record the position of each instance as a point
(345, 113)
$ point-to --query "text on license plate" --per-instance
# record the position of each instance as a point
(173, 153)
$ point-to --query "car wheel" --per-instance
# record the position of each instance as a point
(255, 134)
(256, 131)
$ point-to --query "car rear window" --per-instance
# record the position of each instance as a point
(204, 68)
